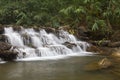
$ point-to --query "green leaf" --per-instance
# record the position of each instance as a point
(95, 27)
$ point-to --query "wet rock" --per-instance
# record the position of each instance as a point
(102, 64)
(5, 53)
(49, 29)
(3, 38)
(114, 44)
(4, 46)
(105, 63)
(36, 28)
(1, 29)
(69, 45)
(8, 55)
(17, 28)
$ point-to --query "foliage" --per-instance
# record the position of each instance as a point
(95, 14)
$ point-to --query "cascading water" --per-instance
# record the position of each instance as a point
(38, 44)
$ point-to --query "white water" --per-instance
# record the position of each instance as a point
(33, 45)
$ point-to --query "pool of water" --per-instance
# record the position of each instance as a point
(62, 69)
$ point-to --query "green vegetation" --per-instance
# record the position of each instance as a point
(99, 15)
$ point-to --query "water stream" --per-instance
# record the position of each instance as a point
(31, 44)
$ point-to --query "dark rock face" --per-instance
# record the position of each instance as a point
(8, 55)
(5, 53)
(3, 38)
(82, 33)
(116, 36)
(1, 29)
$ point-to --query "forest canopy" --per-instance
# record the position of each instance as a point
(95, 14)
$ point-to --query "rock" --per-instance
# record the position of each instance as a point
(17, 28)
(69, 45)
(5, 53)
(66, 28)
(116, 54)
(36, 28)
(114, 44)
(94, 49)
(106, 51)
(1, 29)
(96, 35)
(116, 36)
(83, 38)
(49, 29)
(3, 38)
(100, 42)
(8, 55)
(4, 46)
(81, 33)
(102, 64)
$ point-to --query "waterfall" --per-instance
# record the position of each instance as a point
(37, 44)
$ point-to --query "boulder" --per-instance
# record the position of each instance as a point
(4, 46)
(69, 45)
(1, 29)
(3, 38)
(5, 53)
(49, 29)
(8, 55)
(94, 49)
(17, 28)
(102, 64)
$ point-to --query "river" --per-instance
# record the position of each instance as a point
(71, 68)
